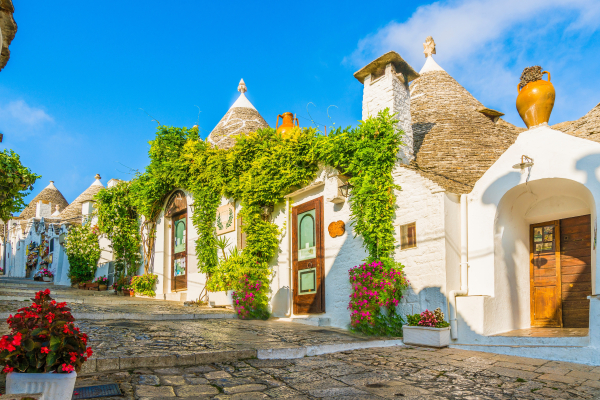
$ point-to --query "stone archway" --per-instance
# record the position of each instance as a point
(528, 275)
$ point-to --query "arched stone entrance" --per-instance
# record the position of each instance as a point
(544, 251)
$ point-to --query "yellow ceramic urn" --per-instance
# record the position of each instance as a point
(287, 126)
(535, 101)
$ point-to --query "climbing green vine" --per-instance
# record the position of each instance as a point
(118, 220)
(15, 181)
(257, 172)
(83, 251)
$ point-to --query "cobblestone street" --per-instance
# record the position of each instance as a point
(389, 373)
(224, 358)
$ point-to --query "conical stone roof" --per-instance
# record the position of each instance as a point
(72, 214)
(50, 194)
(241, 118)
(454, 144)
(586, 127)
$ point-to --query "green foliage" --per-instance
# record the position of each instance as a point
(258, 171)
(368, 154)
(83, 251)
(118, 220)
(15, 181)
(144, 284)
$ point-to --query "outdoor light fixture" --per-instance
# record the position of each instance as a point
(345, 189)
(526, 162)
(192, 207)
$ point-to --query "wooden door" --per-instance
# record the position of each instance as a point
(307, 257)
(179, 252)
(576, 270)
(544, 275)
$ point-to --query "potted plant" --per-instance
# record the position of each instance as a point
(427, 329)
(46, 275)
(81, 285)
(122, 283)
(102, 282)
(44, 350)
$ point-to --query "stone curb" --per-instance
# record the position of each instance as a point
(289, 353)
(208, 357)
(142, 317)
(174, 360)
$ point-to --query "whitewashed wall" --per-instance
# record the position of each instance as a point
(423, 202)
(564, 182)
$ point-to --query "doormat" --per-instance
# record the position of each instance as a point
(92, 392)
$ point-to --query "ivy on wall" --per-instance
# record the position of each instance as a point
(83, 251)
(258, 171)
(118, 220)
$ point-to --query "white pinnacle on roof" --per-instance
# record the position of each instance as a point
(429, 51)
(51, 186)
(97, 181)
(242, 101)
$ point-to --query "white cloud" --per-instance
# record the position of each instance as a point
(23, 113)
(462, 28)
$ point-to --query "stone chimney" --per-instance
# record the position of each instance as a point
(385, 83)
(43, 208)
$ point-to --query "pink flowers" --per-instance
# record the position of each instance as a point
(374, 285)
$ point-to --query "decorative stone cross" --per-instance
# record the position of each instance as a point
(242, 87)
(429, 47)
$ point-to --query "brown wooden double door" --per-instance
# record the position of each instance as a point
(307, 257)
(560, 272)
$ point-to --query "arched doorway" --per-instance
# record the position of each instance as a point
(545, 253)
(176, 210)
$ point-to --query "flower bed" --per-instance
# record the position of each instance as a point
(427, 329)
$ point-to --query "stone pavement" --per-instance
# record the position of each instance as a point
(383, 373)
(87, 304)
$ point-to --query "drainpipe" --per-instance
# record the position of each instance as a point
(289, 235)
(464, 265)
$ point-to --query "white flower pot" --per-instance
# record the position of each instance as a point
(220, 299)
(47, 279)
(426, 336)
(53, 386)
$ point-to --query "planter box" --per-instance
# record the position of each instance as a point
(81, 285)
(53, 386)
(47, 279)
(426, 336)
(220, 299)
(128, 292)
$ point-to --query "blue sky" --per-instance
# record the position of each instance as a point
(80, 73)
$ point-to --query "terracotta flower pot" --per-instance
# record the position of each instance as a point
(535, 102)
(82, 285)
(102, 287)
(127, 292)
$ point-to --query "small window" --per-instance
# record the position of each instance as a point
(408, 236)
(51, 245)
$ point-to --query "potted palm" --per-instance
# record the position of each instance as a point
(427, 329)
(44, 350)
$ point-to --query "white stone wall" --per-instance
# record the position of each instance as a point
(422, 201)
(390, 92)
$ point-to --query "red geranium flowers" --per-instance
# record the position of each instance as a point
(43, 338)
